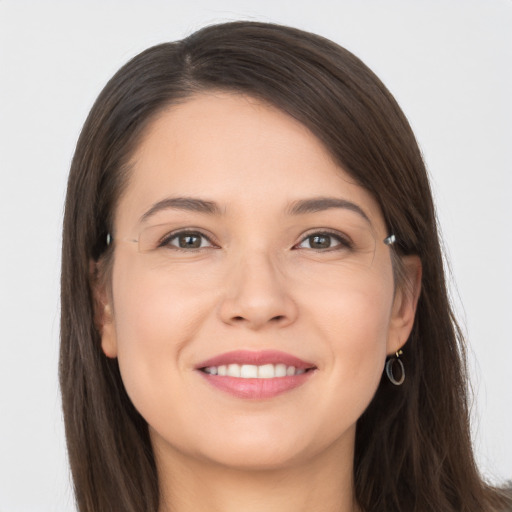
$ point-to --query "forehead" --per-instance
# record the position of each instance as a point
(238, 151)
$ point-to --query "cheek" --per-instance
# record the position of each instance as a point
(353, 321)
(155, 307)
(353, 309)
(156, 316)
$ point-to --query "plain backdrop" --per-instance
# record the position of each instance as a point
(448, 63)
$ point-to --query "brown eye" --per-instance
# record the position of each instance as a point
(320, 241)
(186, 240)
(189, 241)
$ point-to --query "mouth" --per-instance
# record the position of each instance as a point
(251, 371)
(256, 375)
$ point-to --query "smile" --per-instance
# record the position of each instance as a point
(251, 371)
(256, 375)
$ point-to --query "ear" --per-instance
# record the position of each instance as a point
(404, 304)
(103, 311)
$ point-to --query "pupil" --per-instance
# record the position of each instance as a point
(320, 242)
(188, 241)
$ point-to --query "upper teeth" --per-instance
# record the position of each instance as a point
(250, 371)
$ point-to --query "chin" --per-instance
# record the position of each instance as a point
(264, 447)
(256, 457)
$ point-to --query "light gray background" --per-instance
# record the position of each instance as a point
(447, 62)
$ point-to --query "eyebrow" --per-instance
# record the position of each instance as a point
(299, 207)
(318, 204)
(190, 204)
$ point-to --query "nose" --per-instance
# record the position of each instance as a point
(256, 295)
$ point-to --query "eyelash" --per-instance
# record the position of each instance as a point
(343, 241)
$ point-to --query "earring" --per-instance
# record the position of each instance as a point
(390, 364)
(390, 240)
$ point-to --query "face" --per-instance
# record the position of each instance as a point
(252, 301)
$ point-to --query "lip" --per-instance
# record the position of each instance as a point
(256, 388)
(257, 358)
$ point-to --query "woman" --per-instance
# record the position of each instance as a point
(254, 312)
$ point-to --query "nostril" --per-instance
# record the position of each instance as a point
(275, 318)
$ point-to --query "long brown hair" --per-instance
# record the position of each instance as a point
(413, 446)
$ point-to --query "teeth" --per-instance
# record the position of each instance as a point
(250, 371)
(233, 370)
(267, 371)
(280, 370)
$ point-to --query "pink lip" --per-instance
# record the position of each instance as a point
(258, 358)
(256, 388)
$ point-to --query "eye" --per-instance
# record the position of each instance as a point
(185, 240)
(324, 240)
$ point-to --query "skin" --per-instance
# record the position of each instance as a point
(258, 285)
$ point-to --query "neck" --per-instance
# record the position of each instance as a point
(323, 484)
